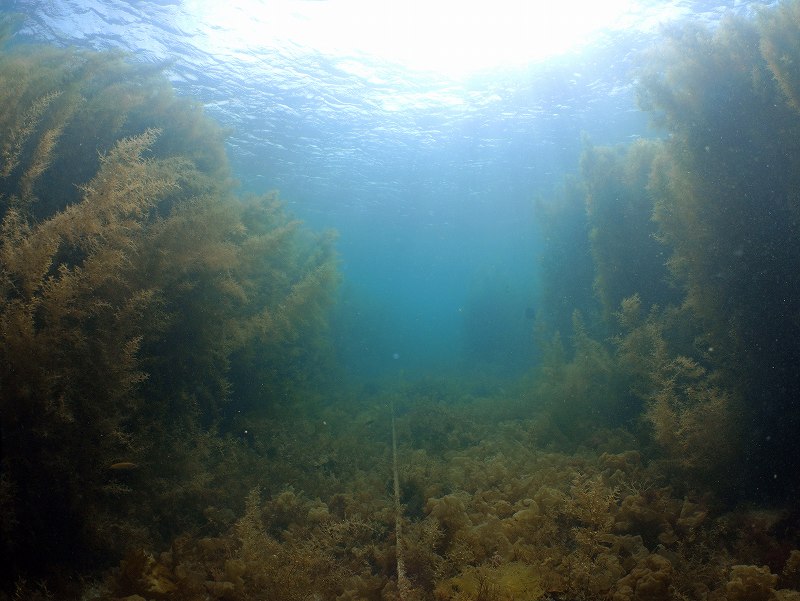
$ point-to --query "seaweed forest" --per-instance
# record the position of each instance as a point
(175, 424)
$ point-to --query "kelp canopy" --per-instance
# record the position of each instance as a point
(160, 337)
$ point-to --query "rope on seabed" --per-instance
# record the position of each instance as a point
(403, 584)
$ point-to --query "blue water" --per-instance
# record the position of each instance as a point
(429, 180)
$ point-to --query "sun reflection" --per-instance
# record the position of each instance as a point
(450, 38)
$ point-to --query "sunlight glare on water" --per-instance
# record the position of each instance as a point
(450, 38)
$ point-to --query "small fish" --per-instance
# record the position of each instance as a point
(123, 466)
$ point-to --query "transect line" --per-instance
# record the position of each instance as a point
(403, 585)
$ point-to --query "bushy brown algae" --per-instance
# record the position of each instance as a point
(122, 248)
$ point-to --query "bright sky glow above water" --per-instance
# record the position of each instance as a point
(449, 37)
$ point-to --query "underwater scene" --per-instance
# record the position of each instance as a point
(342, 301)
